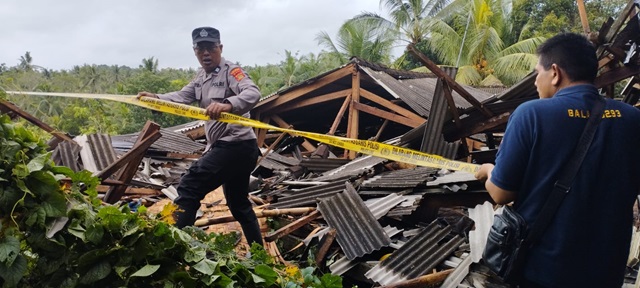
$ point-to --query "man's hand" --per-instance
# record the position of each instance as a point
(485, 172)
(215, 109)
(146, 94)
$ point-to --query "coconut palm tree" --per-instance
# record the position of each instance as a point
(469, 34)
(364, 39)
(149, 64)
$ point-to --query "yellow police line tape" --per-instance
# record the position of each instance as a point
(372, 148)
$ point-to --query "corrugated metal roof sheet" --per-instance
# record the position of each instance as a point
(453, 177)
(357, 166)
(272, 164)
(322, 165)
(101, 150)
(359, 233)
(170, 142)
(67, 154)
(309, 196)
(418, 256)
(290, 161)
(343, 264)
(432, 140)
(182, 128)
(418, 93)
(405, 178)
(381, 206)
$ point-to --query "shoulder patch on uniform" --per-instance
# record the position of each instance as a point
(237, 73)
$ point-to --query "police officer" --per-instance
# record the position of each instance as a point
(232, 150)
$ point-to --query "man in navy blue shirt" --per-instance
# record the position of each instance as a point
(587, 242)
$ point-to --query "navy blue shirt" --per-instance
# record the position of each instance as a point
(587, 243)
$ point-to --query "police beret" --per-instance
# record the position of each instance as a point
(207, 34)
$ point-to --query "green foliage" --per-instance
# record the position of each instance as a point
(59, 234)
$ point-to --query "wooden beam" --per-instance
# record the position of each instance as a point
(262, 133)
(136, 149)
(293, 226)
(131, 160)
(583, 17)
(384, 125)
(392, 106)
(617, 24)
(480, 127)
(387, 115)
(452, 83)
(283, 124)
(271, 148)
(354, 117)
(35, 121)
(291, 95)
(339, 116)
(311, 101)
(452, 105)
(616, 75)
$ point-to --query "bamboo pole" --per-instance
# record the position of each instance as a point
(259, 214)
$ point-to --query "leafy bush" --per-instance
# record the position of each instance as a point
(55, 232)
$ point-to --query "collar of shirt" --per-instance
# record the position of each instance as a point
(215, 72)
(579, 90)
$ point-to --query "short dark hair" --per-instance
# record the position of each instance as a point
(571, 52)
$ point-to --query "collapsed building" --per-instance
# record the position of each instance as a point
(371, 220)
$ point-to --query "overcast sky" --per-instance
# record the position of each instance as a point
(60, 34)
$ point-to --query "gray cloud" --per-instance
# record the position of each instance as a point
(60, 34)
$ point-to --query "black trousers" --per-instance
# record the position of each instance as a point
(228, 164)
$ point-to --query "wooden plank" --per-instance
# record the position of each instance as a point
(387, 115)
(354, 117)
(338, 118)
(311, 101)
(452, 83)
(293, 226)
(35, 121)
(283, 124)
(392, 106)
(292, 95)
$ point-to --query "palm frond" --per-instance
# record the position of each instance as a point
(513, 67)
(525, 46)
(468, 75)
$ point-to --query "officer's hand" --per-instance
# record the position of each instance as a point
(146, 94)
(485, 172)
(215, 109)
